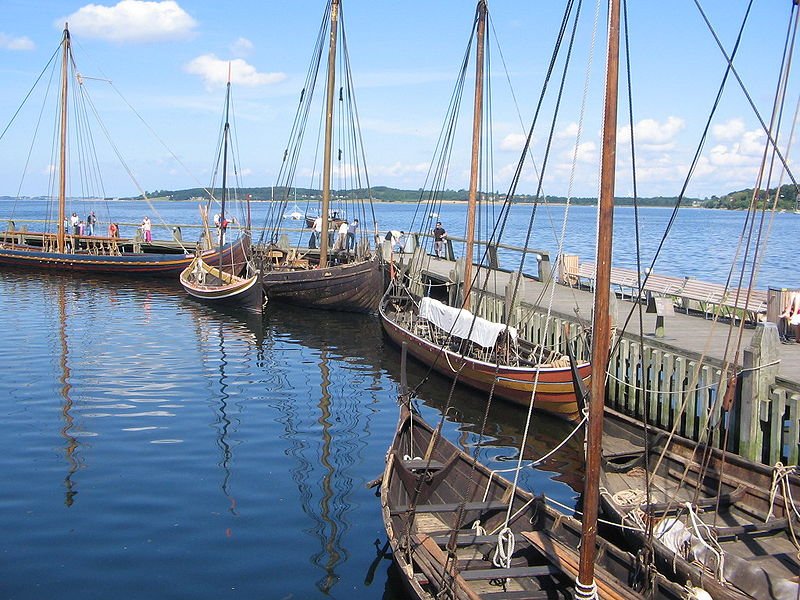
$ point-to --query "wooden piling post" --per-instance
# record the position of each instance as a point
(759, 370)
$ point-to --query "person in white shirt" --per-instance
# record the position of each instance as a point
(146, 229)
(351, 235)
(317, 236)
(341, 239)
(75, 222)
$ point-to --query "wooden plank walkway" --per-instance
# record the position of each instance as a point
(690, 335)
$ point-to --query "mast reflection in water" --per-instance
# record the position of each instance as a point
(71, 442)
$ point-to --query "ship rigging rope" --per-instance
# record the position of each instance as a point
(780, 480)
(538, 461)
(586, 592)
(700, 388)
(781, 88)
(38, 122)
(578, 514)
(348, 172)
(161, 141)
(500, 224)
(152, 131)
(122, 161)
(505, 549)
(696, 371)
(528, 420)
(291, 154)
(701, 531)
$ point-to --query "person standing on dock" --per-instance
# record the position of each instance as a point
(90, 222)
(351, 235)
(341, 238)
(146, 229)
(439, 235)
(789, 321)
(316, 236)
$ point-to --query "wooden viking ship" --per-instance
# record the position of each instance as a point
(60, 251)
(331, 271)
(213, 284)
(459, 344)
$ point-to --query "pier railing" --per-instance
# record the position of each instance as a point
(675, 390)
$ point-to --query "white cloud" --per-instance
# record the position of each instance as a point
(15, 43)
(398, 169)
(650, 132)
(132, 21)
(744, 152)
(728, 131)
(214, 72)
(752, 143)
(241, 47)
(514, 142)
(569, 132)
(586, 153)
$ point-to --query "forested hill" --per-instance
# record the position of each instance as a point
(387, 194)
(737, 200)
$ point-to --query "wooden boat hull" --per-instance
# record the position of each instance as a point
(221, 289)
(432, 494)
(554, 392)
(134, 264)
(350, 287)
(730, 494)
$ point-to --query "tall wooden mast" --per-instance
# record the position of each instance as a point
(225, 131)
(326, 173)
(601, 328)
(477, 122)
(62, 166)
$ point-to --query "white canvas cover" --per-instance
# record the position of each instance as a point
(463, 323)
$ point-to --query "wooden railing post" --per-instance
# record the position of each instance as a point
(492, 258)
(545, 269)
(759, 370)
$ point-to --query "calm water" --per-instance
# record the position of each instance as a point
(152, 448)
(701, 244)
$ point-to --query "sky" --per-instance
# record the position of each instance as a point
(168, 60)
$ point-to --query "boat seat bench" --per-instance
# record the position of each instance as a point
(512, 573)
(468, 507)
(465, 539)
(517, 595)
(420, 464)
(751, 528)
(721, 501)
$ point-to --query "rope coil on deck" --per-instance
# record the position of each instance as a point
(505, 549)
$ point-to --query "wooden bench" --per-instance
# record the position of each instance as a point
(665, 285)
(580, 276)
(687, 293)
(713, 298)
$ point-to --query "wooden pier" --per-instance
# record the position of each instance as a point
(675, 370)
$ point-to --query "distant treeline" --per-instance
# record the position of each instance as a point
(787, 199)
(739, 200)
(387, 194)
